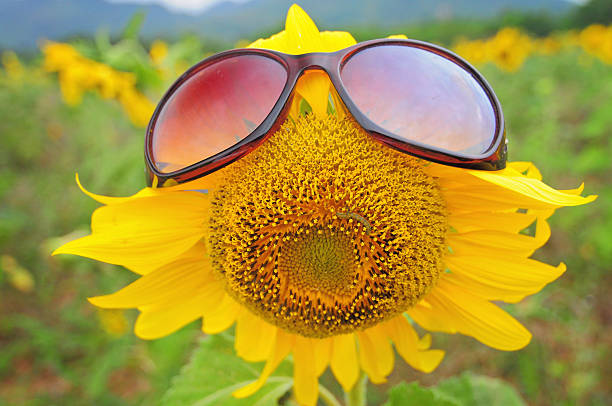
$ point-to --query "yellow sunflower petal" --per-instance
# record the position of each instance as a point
(300, 36)
(142, 234)
(489, 241)
(375, 354)
(531, 188)
(408, 345)
(424, 342)
(276, 42)
(473, 198)
(302, 33)
(494, 198)
(510, 222)
(501, 278)
(222, 318)
(428, 360)
(282, 345)
(476, 317)
(314, 87)
(163, 318)
(294, 110)
(186, 274)
(182, 209)
(425, 316)
(322, 350)
(113, 200)
(575, 191)
(254, 337)
(305, 378)
(344, 363)
(528, 168)
(501, 190)
(336, 40)
(208, 182)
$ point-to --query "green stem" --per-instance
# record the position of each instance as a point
(357, 395)
(327, 397)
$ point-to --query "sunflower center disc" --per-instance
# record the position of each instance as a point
(321, 262)
(323, 231)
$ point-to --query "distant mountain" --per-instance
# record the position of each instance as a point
(24, 22)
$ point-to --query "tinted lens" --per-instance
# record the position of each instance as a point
(216, 107)
(421, 96)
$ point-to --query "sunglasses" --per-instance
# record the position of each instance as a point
(413, 96)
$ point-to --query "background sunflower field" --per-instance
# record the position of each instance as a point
(81, 104)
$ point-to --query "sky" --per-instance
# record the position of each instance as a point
(196, 6)
(183, 6)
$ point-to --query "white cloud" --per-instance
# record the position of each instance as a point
(184, 6)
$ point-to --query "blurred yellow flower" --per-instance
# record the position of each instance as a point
(18, 276)
(597, 40)
(158, 51)
(78, 74)
(329, 246)
(12, 65)
(137, 107)
(113, 321)
(509, 48)
(548, 45)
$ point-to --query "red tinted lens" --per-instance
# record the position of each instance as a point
(421, 96)
(214, 108)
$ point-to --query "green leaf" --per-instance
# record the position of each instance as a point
(215, 371)
(133, 26)
(305, 107)
(494, 392)
(465, 390)
(414, 395)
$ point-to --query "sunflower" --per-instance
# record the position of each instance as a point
(329, 246)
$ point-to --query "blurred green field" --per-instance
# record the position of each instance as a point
(56, 348)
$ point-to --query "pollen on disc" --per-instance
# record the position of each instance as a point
(324, 231)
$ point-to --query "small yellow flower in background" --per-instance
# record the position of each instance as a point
(19, 277)
(329, 246)
(597, 40)
(548, 45)
(137, 107)
(509, 48)
(113, 321)
(158, 51)
(12, 66)
(78, 74)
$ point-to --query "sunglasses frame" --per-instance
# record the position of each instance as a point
(494, 158)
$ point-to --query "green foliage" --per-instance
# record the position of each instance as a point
(466, 390)
(414, 395)
(54, 349)
(132, 28)
(536, 23)
(593, 11)
(215, 371)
